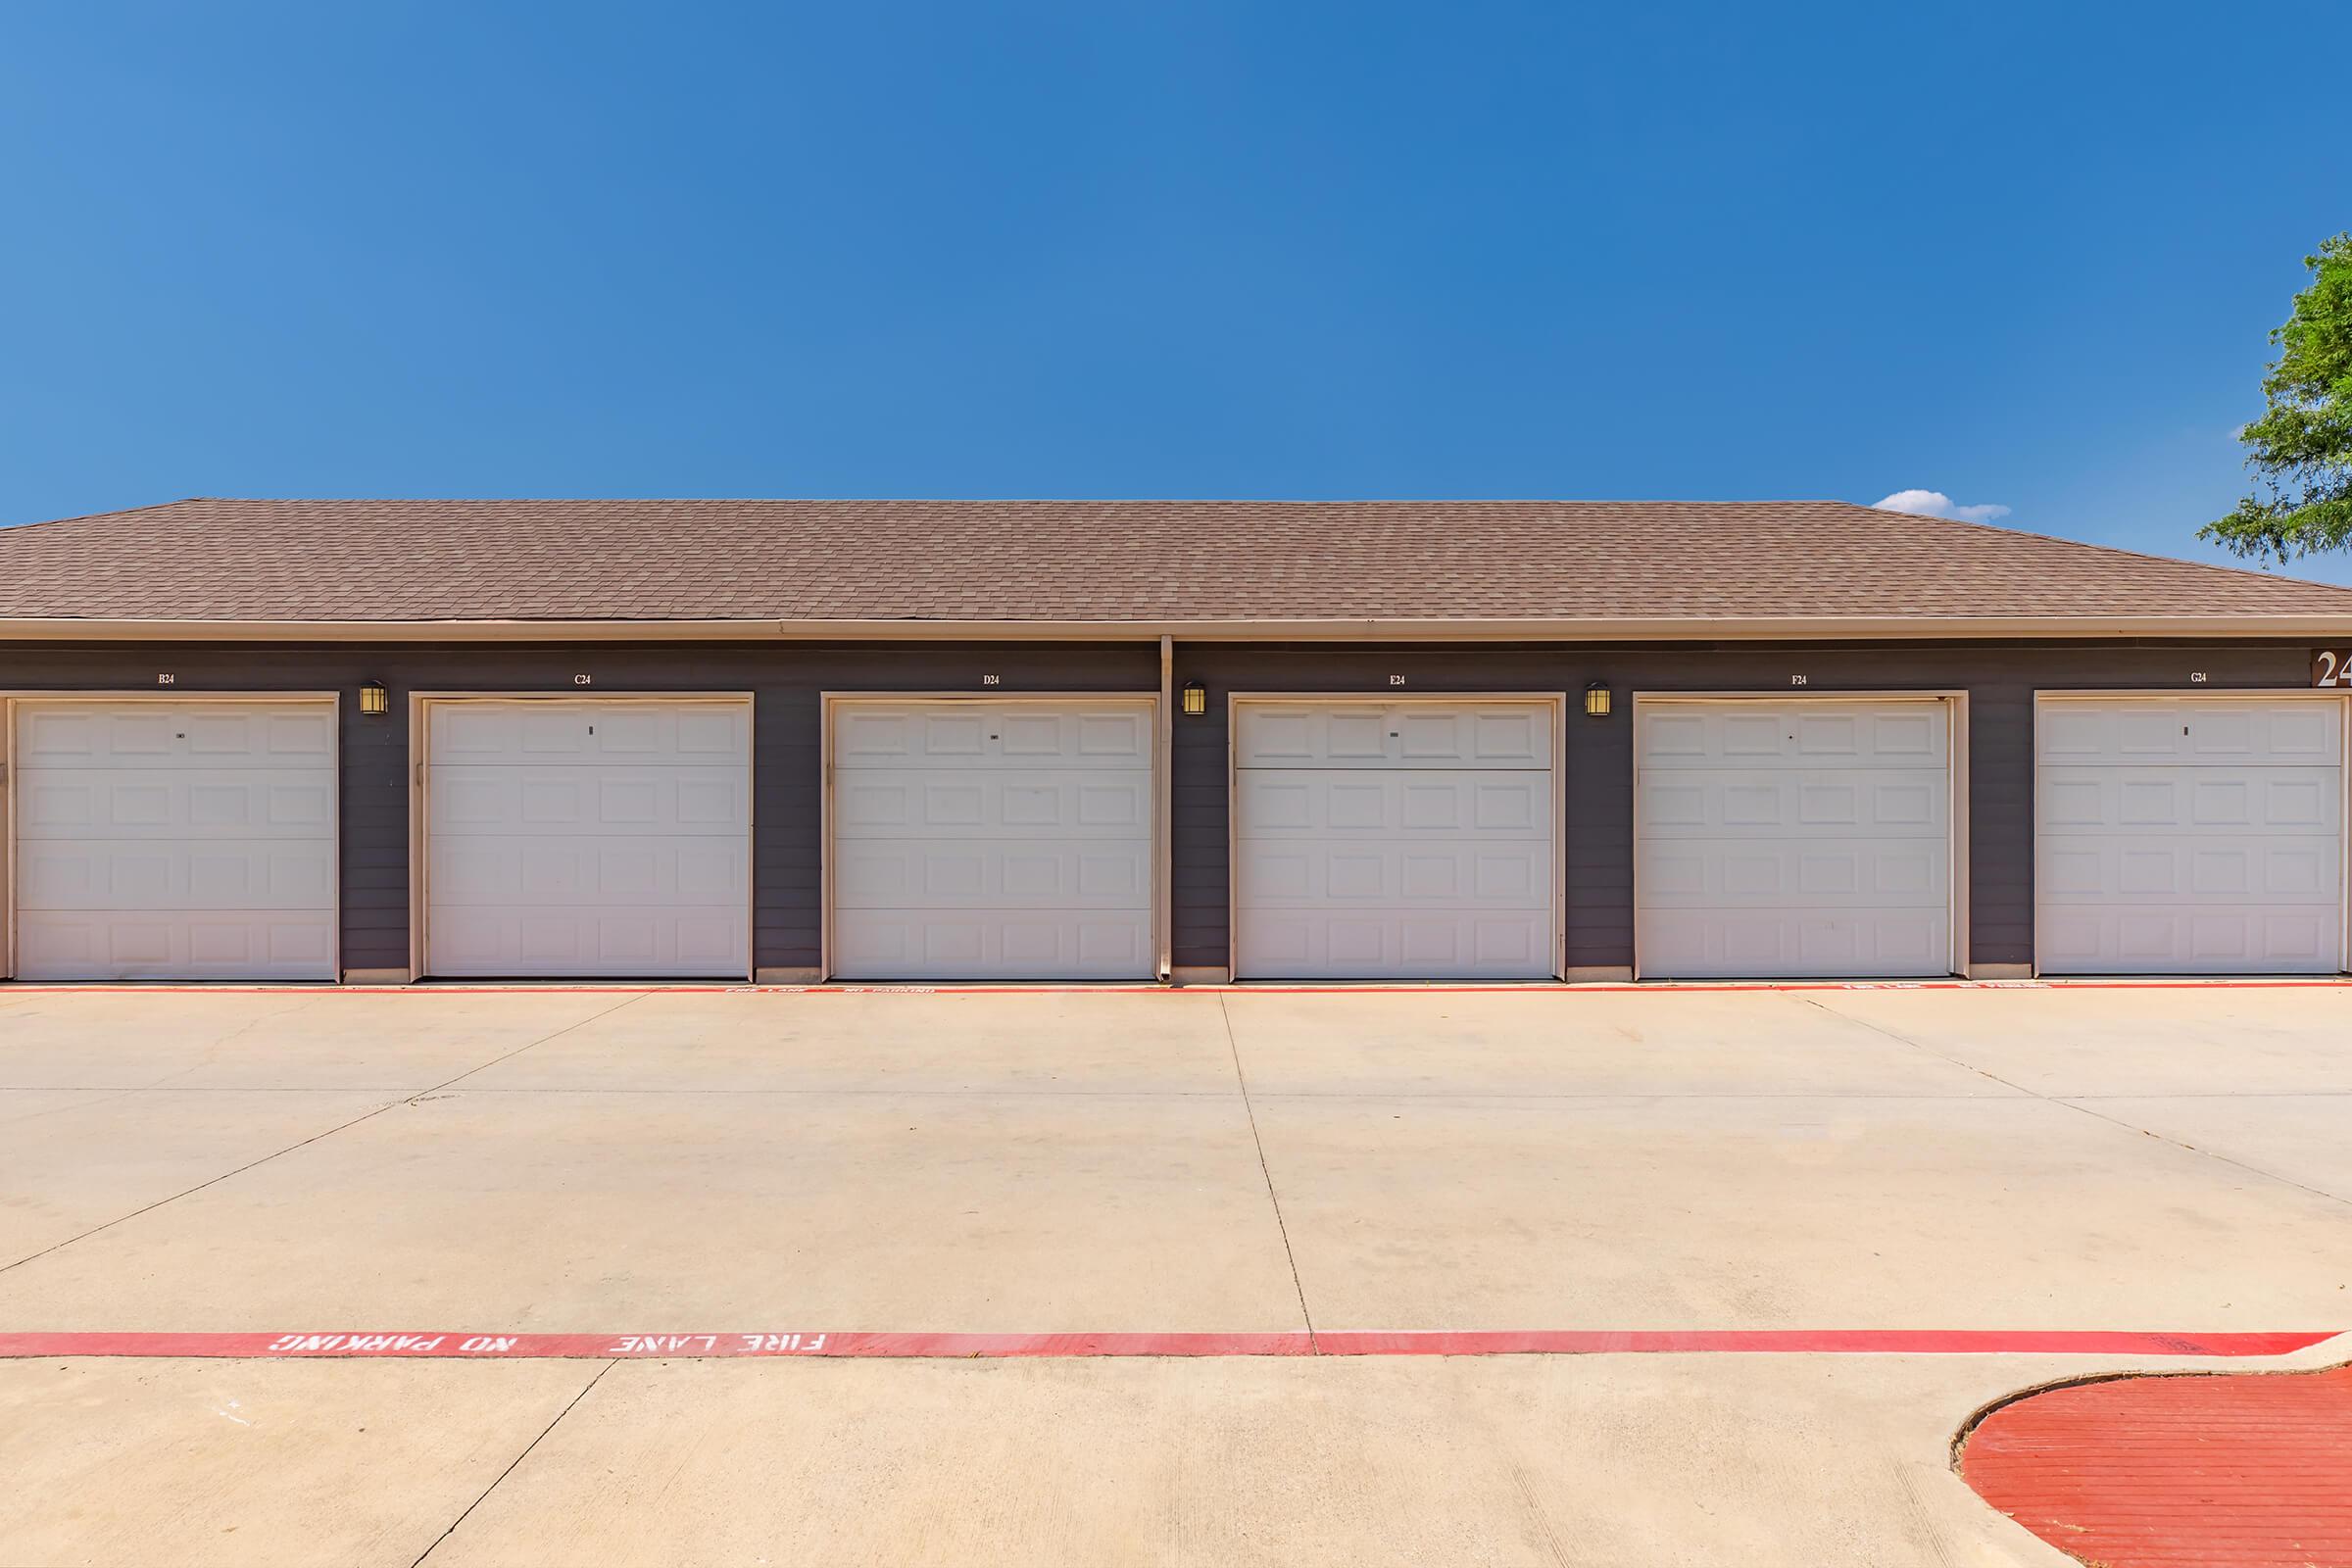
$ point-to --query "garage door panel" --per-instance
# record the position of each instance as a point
(1308, 874)
(2126, 799)
(960, 737)
(986, 873)
(652, 871)
(269, 736)
(184, 944)
(2209, 940)
(1374, 946)
(172, 803)
(1763, 943)
(2078, 870)
(151, 876)
(566, 942)
(567, 732)
(2197, 732)
(1763, 873)
(890, 802)
(176, 735)
(1004, 944)
(1304, 802)
(1469, 735)
(1822, 733)
(1776, 804)
(474, 800)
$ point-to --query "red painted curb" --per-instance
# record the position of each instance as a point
(458, 1347)
(1814, 1341)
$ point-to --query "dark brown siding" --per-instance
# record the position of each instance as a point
(2000, 679)
(787, 679)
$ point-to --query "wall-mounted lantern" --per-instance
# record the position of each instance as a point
(375, 701)
(1597, 700)
(1196, 699)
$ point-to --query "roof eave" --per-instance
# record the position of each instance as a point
(1645, 628)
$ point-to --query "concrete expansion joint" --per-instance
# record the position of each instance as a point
(573, 1403)
(1274, 1198)
(2076, 1103)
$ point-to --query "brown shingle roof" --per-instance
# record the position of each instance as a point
(1143, 561)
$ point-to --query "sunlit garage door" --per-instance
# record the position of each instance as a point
(2189, 835)
(1792, 837)
(607, 838)
(1393, 841)
(992, 840)
(175, 840)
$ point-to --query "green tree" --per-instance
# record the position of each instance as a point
(2301, 448)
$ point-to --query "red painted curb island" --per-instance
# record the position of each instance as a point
(305, 1344)
(2215, 1470)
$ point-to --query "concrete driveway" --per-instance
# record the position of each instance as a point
(609, 1161)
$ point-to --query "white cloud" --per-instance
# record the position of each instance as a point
(1936, 504)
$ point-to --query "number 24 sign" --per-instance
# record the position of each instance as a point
(2331, 666)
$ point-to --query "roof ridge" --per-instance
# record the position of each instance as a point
(2118, 550)
(92, 517)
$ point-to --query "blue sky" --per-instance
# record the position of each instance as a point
(2023, 255)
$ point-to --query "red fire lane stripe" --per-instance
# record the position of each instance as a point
(1832, 1342)
(347, 1345)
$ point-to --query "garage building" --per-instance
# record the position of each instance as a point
(1149, 740)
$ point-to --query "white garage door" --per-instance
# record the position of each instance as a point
(992, 839)
(1811, 837)
(572, 839)
(2189, 836)
(1404, 841)
(176, 841)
